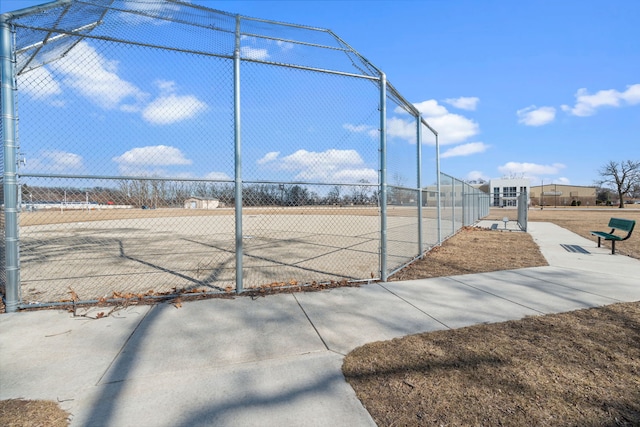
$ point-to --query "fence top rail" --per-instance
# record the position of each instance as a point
(212, 32)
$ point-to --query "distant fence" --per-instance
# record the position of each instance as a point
(518, 200)
(523, 211)
(165, 148)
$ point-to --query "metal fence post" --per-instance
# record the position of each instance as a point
(383, 177)
(453, 205)
(464, 206)
(12, 261)
(438, 197)
(419, 184)
(238, 158)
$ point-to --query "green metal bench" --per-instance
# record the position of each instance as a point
(624, 225)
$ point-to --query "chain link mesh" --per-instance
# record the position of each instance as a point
(128, 126)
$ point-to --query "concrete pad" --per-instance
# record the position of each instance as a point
(350, 317)
(544, 297)
(455, 304)
(51, 355)
(215, 332)
(551, 238)
(306, 390)
(617, 287)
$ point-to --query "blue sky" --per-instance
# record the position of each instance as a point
(543, 89)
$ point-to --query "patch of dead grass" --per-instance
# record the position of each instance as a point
(475, 250)
(578, 368)
(572, 369)
(32, 413)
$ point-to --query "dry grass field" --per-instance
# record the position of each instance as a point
(571, 369)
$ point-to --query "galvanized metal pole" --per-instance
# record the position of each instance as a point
(453, 205)
(36, 9)
(419, 184)
(383, 177)
(11, 242)
(464, 206)
(439, 210)
(238, 158)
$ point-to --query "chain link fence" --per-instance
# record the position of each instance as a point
(155, 148)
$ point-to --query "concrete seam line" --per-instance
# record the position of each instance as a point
(311, 322)
(124, 345)
(496, 295)
(413, 305)
(568, 287)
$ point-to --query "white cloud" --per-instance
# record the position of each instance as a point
(328, 166)
(476, 176)
(451, 128)
(96, 78)
(254, 53)
(464, 102)
(465, 150)
(55, 161)
(530, 169)
(431, 108)
(563, 180)
(156, 155)
(632, 94)
(534, 116)
(39, 83)
(371, 131)
(284, 46)
(269, 157)
(165, 10)
(218, 176)
(327, 159)
(587, 105)
(170, 108)
(400, 128)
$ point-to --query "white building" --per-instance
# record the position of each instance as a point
(505, 191)
(201, 203)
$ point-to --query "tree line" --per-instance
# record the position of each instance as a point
(154, 193)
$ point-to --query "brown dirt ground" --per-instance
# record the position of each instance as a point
(475, 250)
(32, 413)
(572, 369)
(578, 368)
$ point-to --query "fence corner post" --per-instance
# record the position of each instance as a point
(10, 182)
(383, 177)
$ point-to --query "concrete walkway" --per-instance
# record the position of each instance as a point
(276, 361)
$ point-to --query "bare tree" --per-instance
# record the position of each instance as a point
(622, 177)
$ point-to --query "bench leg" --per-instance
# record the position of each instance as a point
(598, 241)
(613, 247)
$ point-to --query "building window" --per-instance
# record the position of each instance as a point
(510, 191)
(496, 196)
